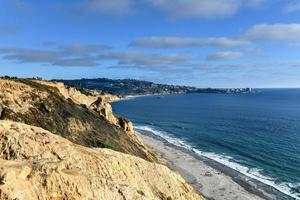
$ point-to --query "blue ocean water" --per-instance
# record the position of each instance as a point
(256, 134)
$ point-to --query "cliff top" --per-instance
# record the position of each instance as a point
(81, 118)
(36, 164)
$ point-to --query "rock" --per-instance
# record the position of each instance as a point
(96, 101)
(125, 124)
(208, 174)
(104, 109)
(78, 97)
(70, 92)
(18, 95)
(36, 164)
(83, 118)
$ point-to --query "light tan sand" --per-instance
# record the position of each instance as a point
(206, 180)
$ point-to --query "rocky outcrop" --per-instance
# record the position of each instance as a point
(79, 97)
(70, 92)
(125, 124)
(68, 112)
(104, 109)
(36, 164)
(94, 100)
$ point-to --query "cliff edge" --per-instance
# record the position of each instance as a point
(85, 119)
(36, 164)
(60, 143)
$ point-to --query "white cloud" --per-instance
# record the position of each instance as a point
(197, 8)
(223, 56)
(90, 55)
(277, 32)
(179, 42)
(202, 8)
(285, 33)
(221, 67)
(61, 55)
(139, 58)
(292, 6)
(171, 8)
(111, 7)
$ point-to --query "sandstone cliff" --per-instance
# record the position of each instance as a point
(94, 100)
(35, 164)
(85, 119)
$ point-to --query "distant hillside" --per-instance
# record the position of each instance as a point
(138, 87)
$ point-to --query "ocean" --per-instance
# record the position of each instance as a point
(256, 134)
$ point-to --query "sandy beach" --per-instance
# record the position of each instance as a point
(208, 181)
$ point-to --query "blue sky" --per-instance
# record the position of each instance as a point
(204, 43)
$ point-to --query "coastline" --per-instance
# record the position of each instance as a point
(207, 177)
(129, 97)
(254, 187)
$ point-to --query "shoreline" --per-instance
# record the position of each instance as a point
(208, 177)
(128, 97)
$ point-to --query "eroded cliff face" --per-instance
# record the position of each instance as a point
(36, 164)
(85, 119)
(77, 96)
(99, 102)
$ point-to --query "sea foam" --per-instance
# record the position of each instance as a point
(254, 173)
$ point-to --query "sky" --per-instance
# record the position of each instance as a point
(203, 43)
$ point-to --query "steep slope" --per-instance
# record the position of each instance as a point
(96, 101)
(69, 113)
(35, 164)
(79, 97)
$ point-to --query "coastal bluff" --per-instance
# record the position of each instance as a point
(36, 164)
(58, 142)
(83, 118)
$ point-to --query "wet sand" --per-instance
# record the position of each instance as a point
(205, 179)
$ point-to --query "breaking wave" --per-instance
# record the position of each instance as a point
(254, 173)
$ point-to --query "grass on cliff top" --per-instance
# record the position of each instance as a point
(36, 85)
(48, 88)
(54, 113)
